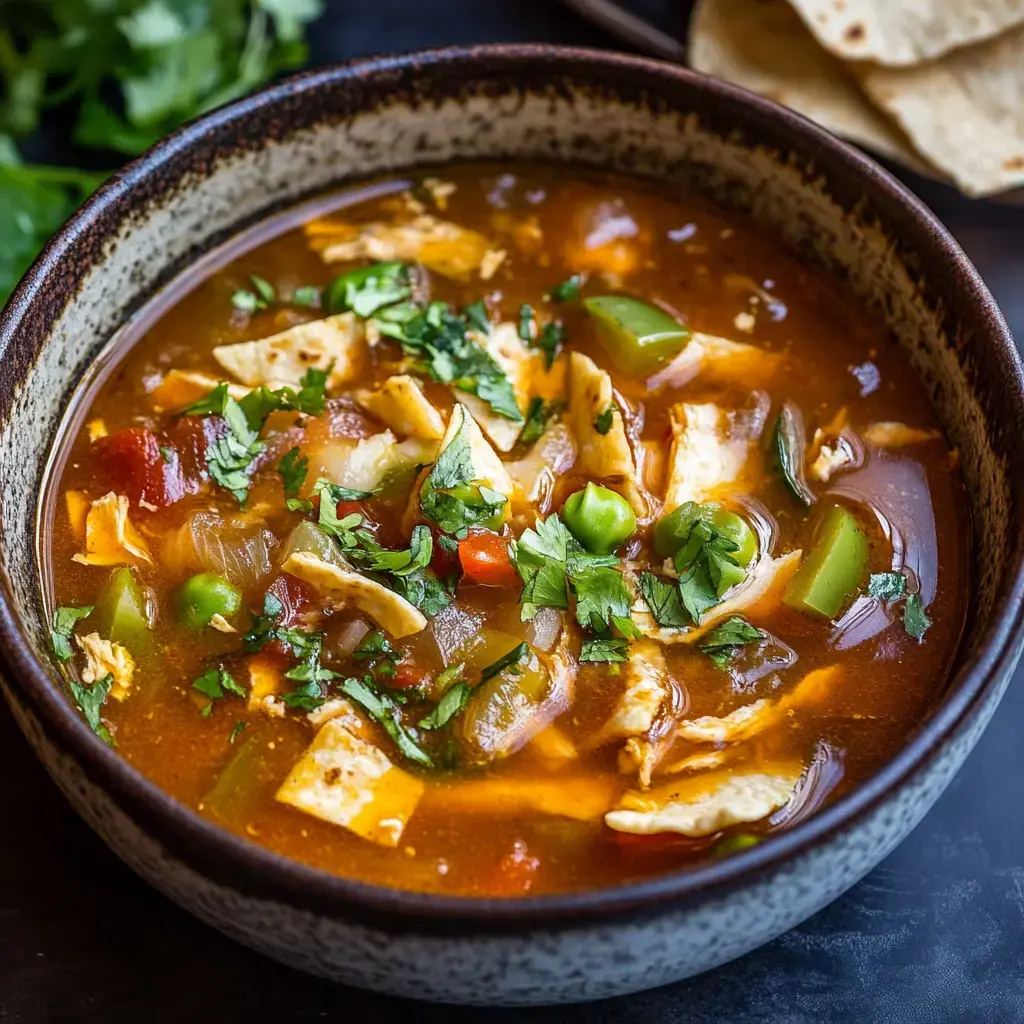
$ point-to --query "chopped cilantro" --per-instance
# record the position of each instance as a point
(526, 322)
(568, 290)
(217, 682)
(90, 700)
(368, 289)
(423, 590)
(237, 731)
(376, 649)
(609, 649)
(245, 302)
(604, 419)
(64, 619)
(451, 704)
(298, 504)
(887, 586)
(385, 712)
(264, 289)
(550, 341)
(166, 453)
(537, 417)
(438, 338)
(915, 619)
(724, 641)
(476, 314)
(664, 600)
(399, 563)
(293, 468)
(601, 593)
(307, 297)
(512, 660)
(705, 560)
(261, 296)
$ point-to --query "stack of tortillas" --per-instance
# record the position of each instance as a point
(935, 84)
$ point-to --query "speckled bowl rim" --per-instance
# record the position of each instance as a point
(258, 871)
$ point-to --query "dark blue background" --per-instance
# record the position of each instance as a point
(934, 935)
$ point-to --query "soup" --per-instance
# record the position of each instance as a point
(517, 531)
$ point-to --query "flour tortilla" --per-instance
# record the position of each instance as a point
(763, 46)
(963, 112)
(902, 32)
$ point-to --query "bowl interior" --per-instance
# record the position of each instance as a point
(823, 201)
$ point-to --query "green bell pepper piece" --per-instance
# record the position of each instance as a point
(639, 337)
(834, 568)
(120, 613)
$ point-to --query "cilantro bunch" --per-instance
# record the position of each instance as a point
(128, 72)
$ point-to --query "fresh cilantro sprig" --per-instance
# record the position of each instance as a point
(664, 600)
(64, 619)
(293, 468)
(263, 294)
(90, 700)
(452, 704)
(568, 290)
(892, 587)
(538, 416)
(507, 662)
(724, 641)
(383, 709)
(215, 683)
(368, 289)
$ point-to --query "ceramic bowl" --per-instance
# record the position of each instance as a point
(821, 199)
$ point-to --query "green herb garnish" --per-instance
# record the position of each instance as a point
(383, 710)
(550, 341)
(526, 321)
(293, 468)
(451, 704)
(216, 683)
(724, 641)
(368, 289)
(604, 419)
(90, 700)
(607, 649)
(568, 290)
(664, 600)
(512, 660)
(915, 619)
(64, 619)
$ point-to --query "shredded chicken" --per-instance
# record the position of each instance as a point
(105, 658)
(110, 538)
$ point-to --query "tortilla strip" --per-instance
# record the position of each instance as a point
(763, 47)
(908, 32)
(964, 113)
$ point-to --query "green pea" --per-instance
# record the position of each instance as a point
(204, 596)
(671, 532)
(729, 845)
(599, 519)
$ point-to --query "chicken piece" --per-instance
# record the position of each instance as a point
(440, 245)
(343, 588)
(346, 781)
(105, 658)
(526, 372)
(601, 456)
(535, 474)
(897, 435)
(369, 463)
(399, 403)
(180, 388)
(703, 458)
(553, 746)
(831, 459)
(737, 725)
(718, 361)
(704, 804)
(110, 538)
(760, 593)
(219, 623)
(338, 342)
(695, 763)
(606, 240)
(646, 690)
(583, 799)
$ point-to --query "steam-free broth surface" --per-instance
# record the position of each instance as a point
(475, 674)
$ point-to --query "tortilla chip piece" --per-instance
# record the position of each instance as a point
(718, 361)
(284, 358)
(905, 33)
(702, 805)
(602, 456)
(103, 658)
(110, 538)
(183, 387)
(646, 689)
(964, 112)
(488, 469)
(703, 458)
(342, 588)
(399, 403)
(346, 781)
(736, 725)
(763, 46)
(440, 245)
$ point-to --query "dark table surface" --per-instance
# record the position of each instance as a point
(935, 934)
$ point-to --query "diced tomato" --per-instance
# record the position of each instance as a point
(515, 873)
(191, 435)
(485, 559)
(134, 464)
(409, 674)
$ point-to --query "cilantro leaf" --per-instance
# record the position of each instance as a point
(451, 704)
(237, 731)
(526, 321)
(887, 586)
(64, 619)
(293, 468)
(604, 419)
(368, 289)
(568, 290)
(608, 649)
(308, 297)
(725, 640)
(664, 600)
(383, 710)
(90, 700)
(915, 619)
(550, 341)
(217, 682)
(422, 589)
(601, 593)
(476, 315)
(401, 563)
(511, 660)
(538, 415)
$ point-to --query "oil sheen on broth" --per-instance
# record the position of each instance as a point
(566, 533)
